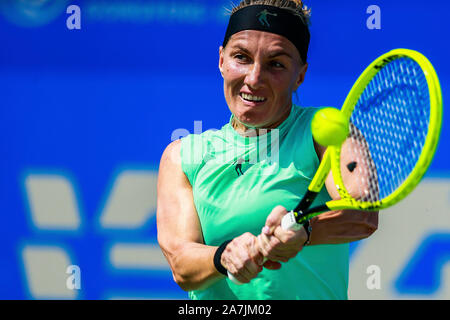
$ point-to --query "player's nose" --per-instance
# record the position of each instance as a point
(255, 76)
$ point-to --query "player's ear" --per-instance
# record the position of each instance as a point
(301, 76)
(221, 49)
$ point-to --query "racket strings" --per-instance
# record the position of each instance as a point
(367, 189)
(389, 128)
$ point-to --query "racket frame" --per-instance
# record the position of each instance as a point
(331, 158)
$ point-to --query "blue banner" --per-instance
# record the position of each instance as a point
(93, 91)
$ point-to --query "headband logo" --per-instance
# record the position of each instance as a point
(263, 17)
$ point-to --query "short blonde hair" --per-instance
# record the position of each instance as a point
(295, 6)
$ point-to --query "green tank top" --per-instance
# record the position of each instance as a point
(237, 181)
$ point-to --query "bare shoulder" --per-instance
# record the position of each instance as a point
(171, 174)
(175, 201)
(171, 154)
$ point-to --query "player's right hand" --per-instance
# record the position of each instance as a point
(242, 258)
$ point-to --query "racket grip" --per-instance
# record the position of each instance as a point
(288, 222)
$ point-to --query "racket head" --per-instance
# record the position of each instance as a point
(395, 115)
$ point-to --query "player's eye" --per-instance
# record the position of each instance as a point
(276, 64)
(241, 58)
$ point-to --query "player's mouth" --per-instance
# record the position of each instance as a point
(251, 99)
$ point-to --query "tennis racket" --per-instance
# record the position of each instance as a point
(394, 111)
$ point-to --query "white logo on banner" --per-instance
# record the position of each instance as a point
(54, 207)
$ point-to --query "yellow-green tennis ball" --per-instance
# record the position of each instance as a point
(329, 127)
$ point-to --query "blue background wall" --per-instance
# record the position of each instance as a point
(92, 106)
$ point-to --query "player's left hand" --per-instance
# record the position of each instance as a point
(277, 244)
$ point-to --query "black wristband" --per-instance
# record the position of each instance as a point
(218, 256)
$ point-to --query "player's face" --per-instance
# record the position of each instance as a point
(261, 70)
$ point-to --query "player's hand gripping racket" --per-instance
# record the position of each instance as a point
(394, 115)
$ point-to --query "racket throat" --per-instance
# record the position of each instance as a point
(306, 201)
(303, 212)
(302, 216)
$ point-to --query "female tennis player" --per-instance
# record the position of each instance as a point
(216, 190)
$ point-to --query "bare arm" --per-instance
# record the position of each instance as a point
(179, 232)
(343, 225)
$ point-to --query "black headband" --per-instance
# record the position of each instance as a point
(270, 19)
